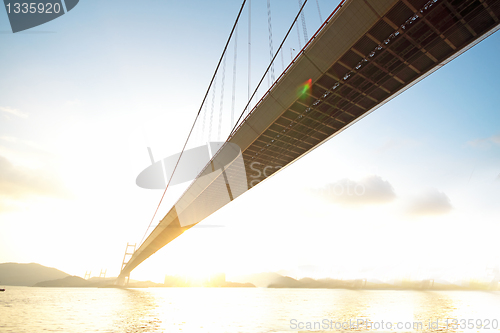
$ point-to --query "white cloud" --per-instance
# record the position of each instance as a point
(485, 142)
(17, 183)
(33, 146)
(431, 202)
(368, 191)
(14, 112)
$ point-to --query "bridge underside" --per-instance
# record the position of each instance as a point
(367, 53)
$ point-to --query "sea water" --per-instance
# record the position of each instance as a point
(26, 309)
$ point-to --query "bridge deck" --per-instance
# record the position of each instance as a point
(368, 52)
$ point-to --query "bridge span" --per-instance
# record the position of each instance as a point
(366, 52)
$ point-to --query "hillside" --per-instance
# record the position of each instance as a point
(262, 280)
(68, 281)
(14, 274)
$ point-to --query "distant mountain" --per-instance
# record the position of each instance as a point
(14, 274)
(262, 280)
(68, 281)
(144, 284)
(373, 284)
(288, 282)
(229, 284)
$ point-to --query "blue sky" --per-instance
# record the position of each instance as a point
(82, 97)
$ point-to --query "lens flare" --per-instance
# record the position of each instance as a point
(305, 88)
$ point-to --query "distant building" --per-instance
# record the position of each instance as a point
(175, 281)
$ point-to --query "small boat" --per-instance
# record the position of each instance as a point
(2, 289)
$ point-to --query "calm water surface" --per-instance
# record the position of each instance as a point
(25, 309)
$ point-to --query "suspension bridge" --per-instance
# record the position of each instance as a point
(365, 53)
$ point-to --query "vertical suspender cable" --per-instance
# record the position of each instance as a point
(196, 118)
(319, 13)
(203, 124)
(249, 49)
(303, 18)
(270, 28)
(212, 110)
(268, 67)
(234, 76)
(298, 36)
(282, 62)
(221, 98)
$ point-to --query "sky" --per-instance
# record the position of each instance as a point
(83, 96)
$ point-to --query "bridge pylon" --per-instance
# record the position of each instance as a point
(123, 279)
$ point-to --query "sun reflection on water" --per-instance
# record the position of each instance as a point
(236, 309)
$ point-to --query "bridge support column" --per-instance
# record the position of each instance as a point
(122, 280)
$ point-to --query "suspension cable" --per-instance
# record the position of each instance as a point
(234, 76)
(282, 62)
(319, 12)
(203, 123)
(298, 36)
(270, 28)
(268, 67)
(212, 110)
(197, 115)
(303, 18)
(249, 47)
(221, 98)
